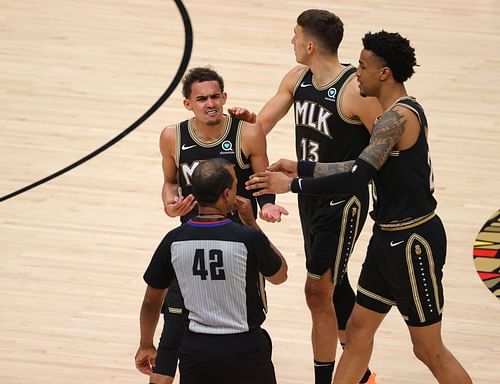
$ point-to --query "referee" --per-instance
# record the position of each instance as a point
(219, 265)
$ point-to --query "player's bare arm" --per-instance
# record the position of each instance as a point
(167, 150)
(278, 106)
(174, 205)
(254, 147)
(253, 144)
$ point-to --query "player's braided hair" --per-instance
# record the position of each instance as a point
(395, 51)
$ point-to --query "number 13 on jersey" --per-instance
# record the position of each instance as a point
(310, 150)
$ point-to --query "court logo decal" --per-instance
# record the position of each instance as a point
(487, 254)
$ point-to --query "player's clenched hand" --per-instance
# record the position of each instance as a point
(288, 167)
(243, 114)
(145, 359)
(272, 212)
(268, 182)
(180, 206)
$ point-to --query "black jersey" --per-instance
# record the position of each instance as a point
(190, 151)
(323, 133)
(404, 185)
(217, 265)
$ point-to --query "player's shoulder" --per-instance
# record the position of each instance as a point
(168, 134)
(408, 111)
(357, 102)
(352, 88)
(168, 130)
(299, 69)
(295, 73)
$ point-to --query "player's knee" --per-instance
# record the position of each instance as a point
(430, 355)
(357, 331)
(318, 299)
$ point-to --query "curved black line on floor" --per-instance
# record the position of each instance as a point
(188, 47)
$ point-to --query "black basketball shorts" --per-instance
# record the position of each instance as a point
(404, 268)
(330, 227)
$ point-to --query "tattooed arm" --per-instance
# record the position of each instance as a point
(349, 177)
(325, 169)
(343, 177)
(387, 131)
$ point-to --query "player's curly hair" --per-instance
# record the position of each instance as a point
(210, 178)
(199, 75)
(324, 26)
(395, 51)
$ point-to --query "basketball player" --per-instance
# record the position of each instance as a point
(407, 251)
(331, 120)
(217, 263)
(209, 134)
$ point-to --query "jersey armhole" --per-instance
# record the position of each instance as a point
(177, 144)
(299, 80)
(239, 149)
(339, 104)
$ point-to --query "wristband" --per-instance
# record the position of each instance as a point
(295, 185)
(305, 168)
(264, 199)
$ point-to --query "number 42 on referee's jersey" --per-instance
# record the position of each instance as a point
(215, 264)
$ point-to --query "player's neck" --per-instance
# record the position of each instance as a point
(209, 132)
(389, 94)
(326, 70)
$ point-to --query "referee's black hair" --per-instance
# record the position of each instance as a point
(395, 51)
(210, 179)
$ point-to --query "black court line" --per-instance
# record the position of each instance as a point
(188, 48)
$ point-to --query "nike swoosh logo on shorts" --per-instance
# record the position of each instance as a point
(334, 203)
(302, 85)
(393, 244)
(184, 146)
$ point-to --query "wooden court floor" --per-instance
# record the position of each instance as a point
(75, 74)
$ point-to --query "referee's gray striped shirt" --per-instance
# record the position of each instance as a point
(216, 306)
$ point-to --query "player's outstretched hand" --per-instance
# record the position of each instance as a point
(268, 182)
(243, 114)
(180, 206)
(272, 212)
(145, 359)
(288, 167)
